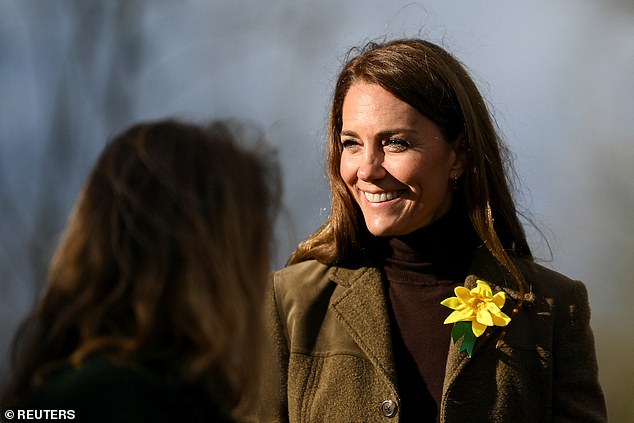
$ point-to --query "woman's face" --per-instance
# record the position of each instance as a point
(395, 161)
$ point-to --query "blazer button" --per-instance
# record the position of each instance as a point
(388, 408)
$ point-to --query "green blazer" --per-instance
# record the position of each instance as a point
(332, 337)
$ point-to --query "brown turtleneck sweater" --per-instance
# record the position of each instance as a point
(422, 269)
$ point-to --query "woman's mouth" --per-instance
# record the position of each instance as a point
(382, 197)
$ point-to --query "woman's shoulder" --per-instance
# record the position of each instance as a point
(99, 390)
(548, 281)
(313, 274)
(94, 376)
(556, 291)
(540, 280)
(303, 268)
(306, 278)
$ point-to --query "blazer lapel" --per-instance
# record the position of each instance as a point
(362, 310)
(485, 267)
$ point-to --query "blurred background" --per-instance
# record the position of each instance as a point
(558, 75)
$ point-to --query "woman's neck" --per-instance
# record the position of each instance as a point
(443, 248)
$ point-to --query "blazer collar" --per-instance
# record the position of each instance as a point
(362, 310)
(486, 267)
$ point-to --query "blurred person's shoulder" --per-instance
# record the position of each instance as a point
(99, 391)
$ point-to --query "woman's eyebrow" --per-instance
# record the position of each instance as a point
(383, 134)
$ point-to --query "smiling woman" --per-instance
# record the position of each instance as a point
(422, 210)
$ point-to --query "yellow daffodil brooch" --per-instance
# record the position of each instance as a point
(474, 310)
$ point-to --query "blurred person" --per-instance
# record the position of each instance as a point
(418, 299)
(153, 307)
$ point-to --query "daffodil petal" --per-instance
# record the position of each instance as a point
(482, 289)
(484, 317)
(459, 316)
(493, 308)
(463, 294)
(452, 302)
(478, 328)
(499, 299)
(501, 319)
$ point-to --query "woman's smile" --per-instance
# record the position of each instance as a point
(382, 197)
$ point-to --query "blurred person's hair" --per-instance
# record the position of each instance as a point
(166, 251)
(436, 84)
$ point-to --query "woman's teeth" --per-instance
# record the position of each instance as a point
(379, 198)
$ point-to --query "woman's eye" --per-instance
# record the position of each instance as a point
(349, 143)
(396, 144)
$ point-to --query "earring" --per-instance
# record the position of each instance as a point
(454, 181)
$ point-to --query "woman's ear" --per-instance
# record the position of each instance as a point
(459, 144)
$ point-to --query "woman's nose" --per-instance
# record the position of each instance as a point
(371, 167)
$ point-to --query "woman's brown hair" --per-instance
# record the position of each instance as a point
(436, 84)
(167, 254)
